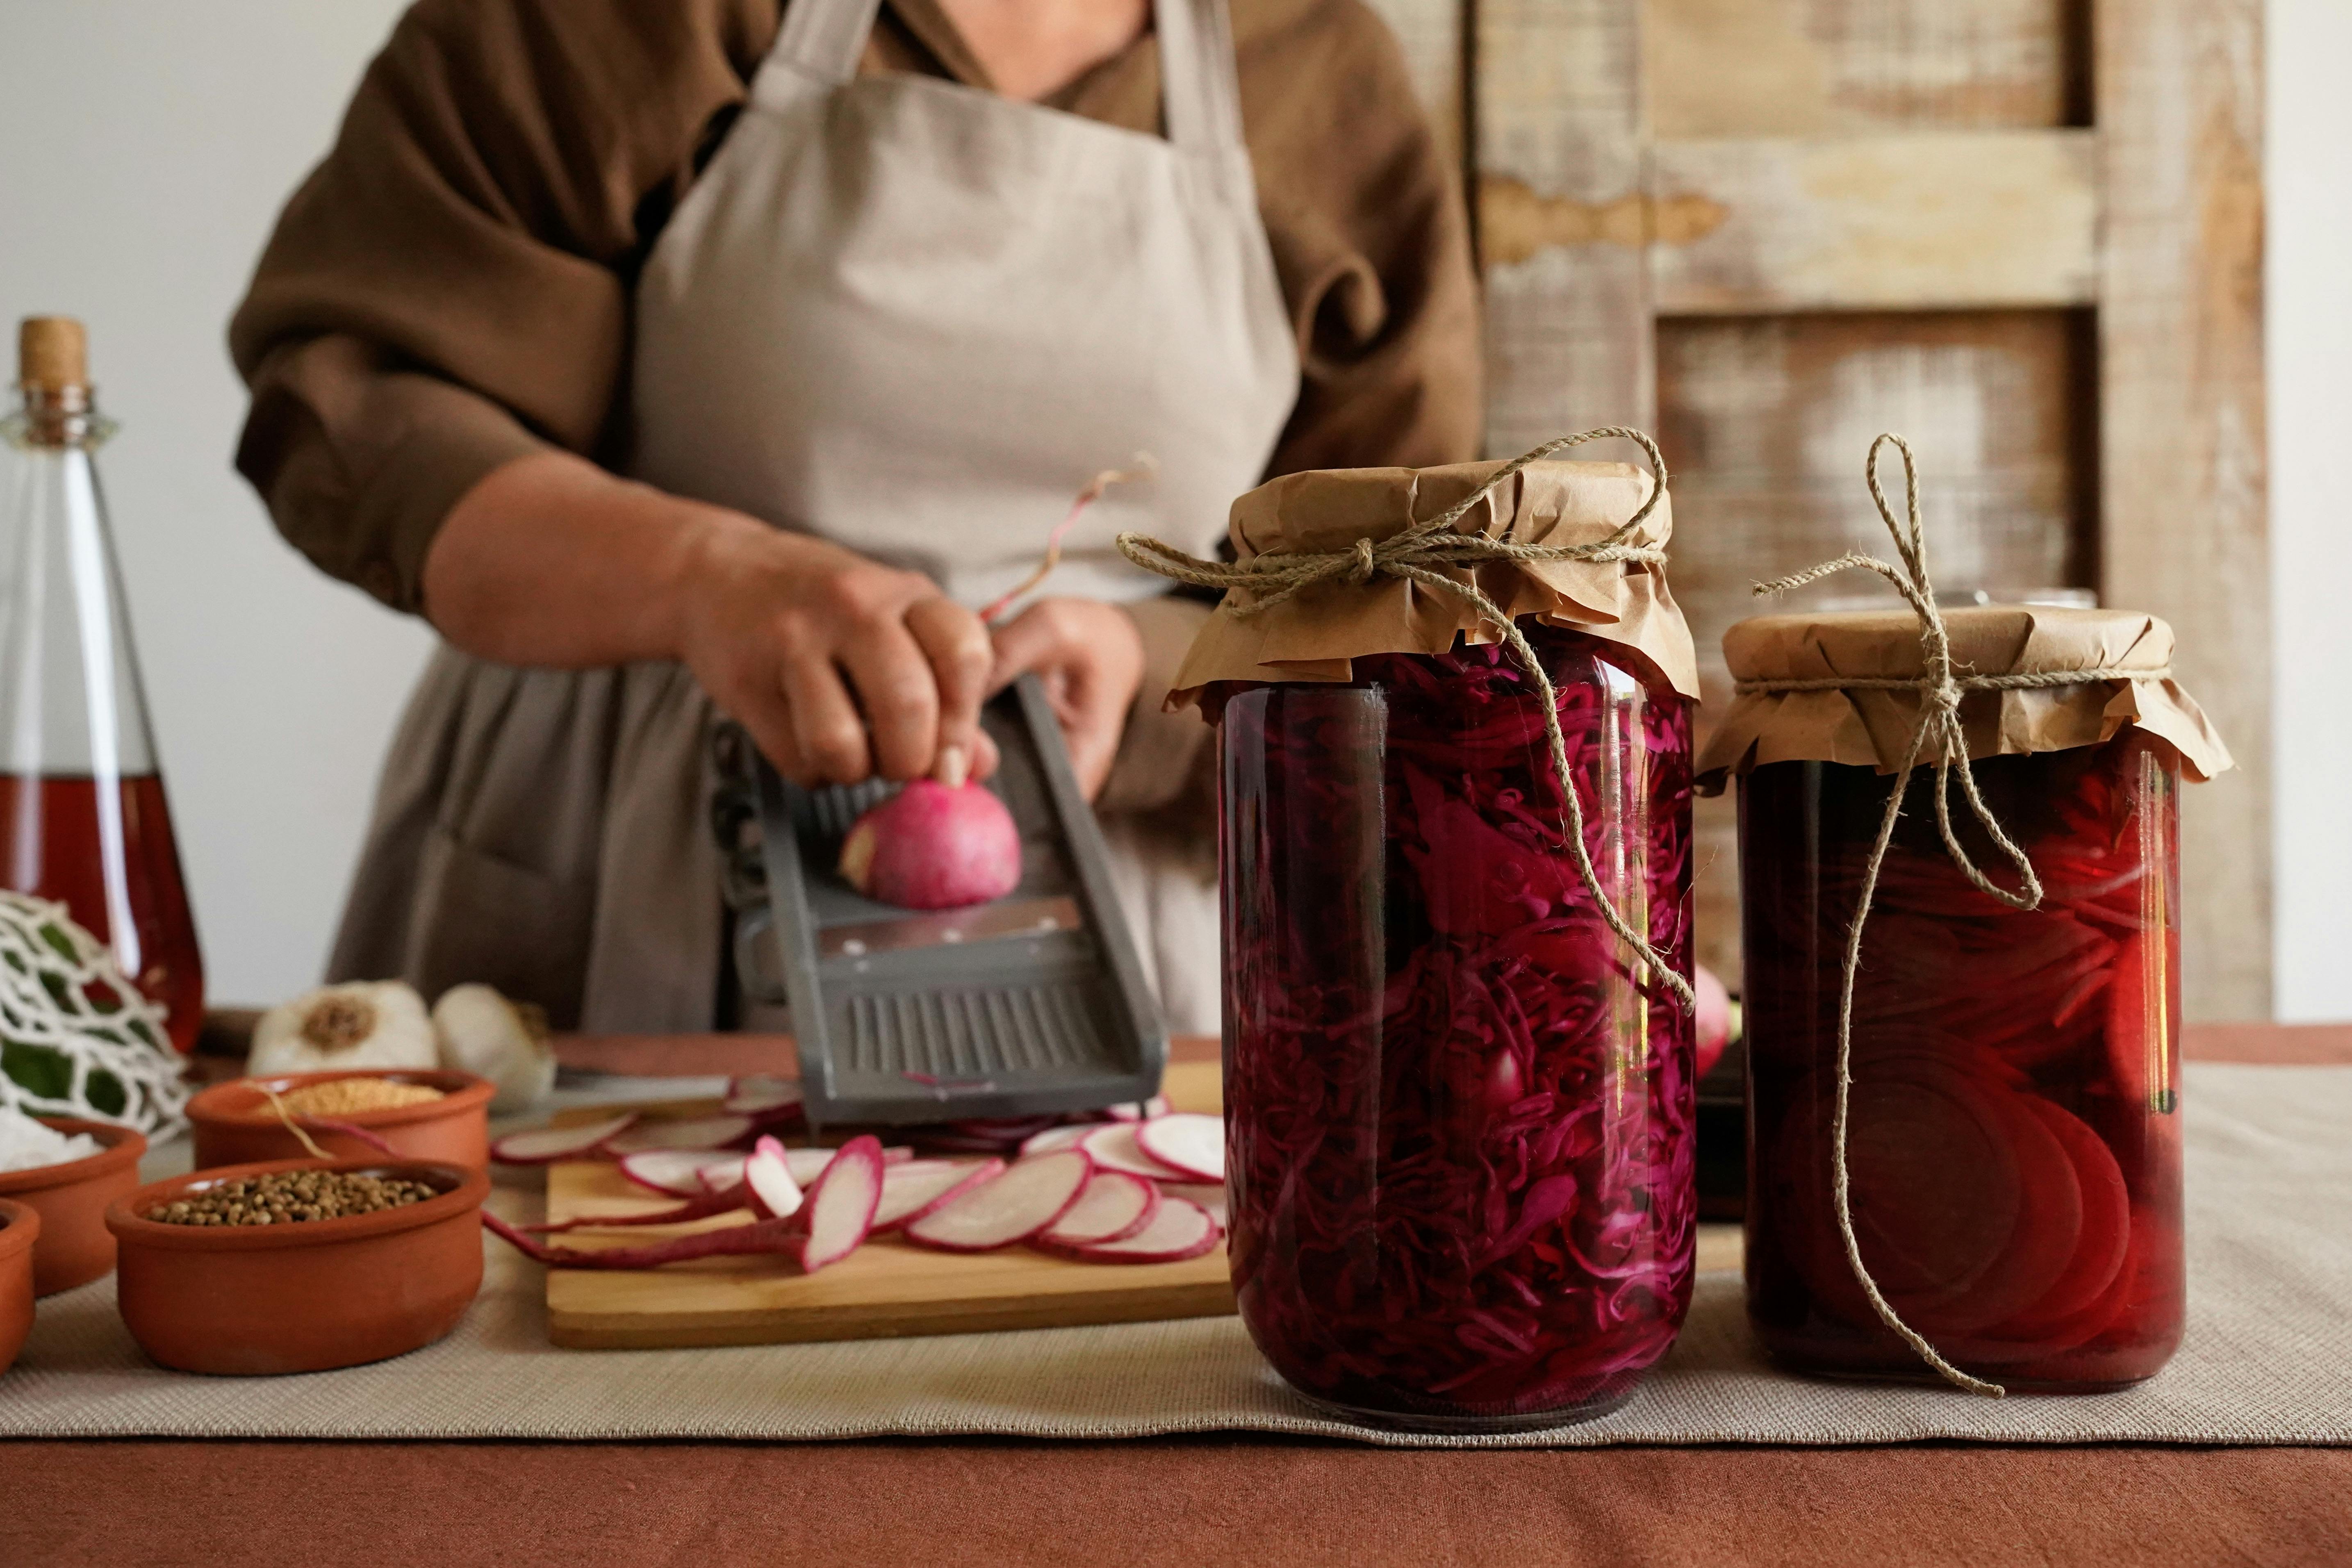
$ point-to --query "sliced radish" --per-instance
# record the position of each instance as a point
(761, 1094)
(1185, 1140)
(1053, 1138)
(685, 1133)
(1113, 1147)
(700, 1206)
(808, 1165)
(839, 1214)
(1180, 1230)
(682, 1173)
(1114, 1206)
(777, 1235)
(914, 1189)
(545, 1145)
(1210, 1195)
(768, 1178)
(1143, 1111)
(1009, 1208)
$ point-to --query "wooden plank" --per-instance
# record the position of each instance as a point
(1559, 120)
(1766, 421)
(1810, 67)
(886, 1290)
(2183, 529)
(1922, 220)
(1432, 32)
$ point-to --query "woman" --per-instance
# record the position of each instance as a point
(653, 352)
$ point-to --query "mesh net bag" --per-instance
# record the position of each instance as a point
(76, 1037)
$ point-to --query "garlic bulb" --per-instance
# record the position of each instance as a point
(506, 1042)
(365, 1024)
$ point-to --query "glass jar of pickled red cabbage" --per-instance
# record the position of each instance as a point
(1459, 1108)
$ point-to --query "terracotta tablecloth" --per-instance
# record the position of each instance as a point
(1190, 1502)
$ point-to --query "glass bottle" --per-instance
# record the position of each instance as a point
(83, 818)
(1459, 1112)
(2014, 1124)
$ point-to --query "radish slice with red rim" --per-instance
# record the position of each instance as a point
(768, 1180)
(683, 1132)
(545, 1145)
(1053, 1138)
(1186, 1142)
(914, 1189)
(682, 1173)
(1210, 1195)
(763, 1095)
(838, 1215)
(1114, 1206)
(1138, 1112)
(1006, 1208)
(1180, 1230)
(1113, 1147)
(702, 1205)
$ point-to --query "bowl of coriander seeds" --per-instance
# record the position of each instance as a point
(298, 1264)
(424, 1113)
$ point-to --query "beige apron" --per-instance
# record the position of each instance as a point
(913, 318)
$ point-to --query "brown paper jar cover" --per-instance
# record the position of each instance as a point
(1875, 726)
(1315, 634)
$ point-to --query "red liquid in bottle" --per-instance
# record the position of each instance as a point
(59, 845)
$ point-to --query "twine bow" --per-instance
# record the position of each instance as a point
(1422, 553)
(1940, 721)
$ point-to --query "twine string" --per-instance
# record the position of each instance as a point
(1940, 691)
(1423, 554)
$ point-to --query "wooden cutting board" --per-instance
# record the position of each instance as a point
(887, 1288)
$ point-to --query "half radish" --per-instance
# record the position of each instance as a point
(683, 1132)
(1009, 1208)
(914, 1189)
(1186, 1142)
(1179, 1230)
(1113, 1147)
(1114, 1206)
(546, 1145)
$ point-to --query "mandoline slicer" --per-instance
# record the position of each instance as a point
(1030, 1004)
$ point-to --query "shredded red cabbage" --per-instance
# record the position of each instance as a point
(2014, 1148)
(1460, 1129)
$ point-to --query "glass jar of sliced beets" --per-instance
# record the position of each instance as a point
(1459, 1108)
(2014, 1136)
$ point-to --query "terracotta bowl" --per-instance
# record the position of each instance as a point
(260, 1300)
(71, 1200)
(20, 1227)
(235, 1126)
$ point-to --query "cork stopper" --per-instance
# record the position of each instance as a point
(52, 353)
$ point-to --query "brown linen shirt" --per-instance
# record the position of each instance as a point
(451, 290)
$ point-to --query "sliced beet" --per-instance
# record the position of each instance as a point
(2106, 1236)
(2048, 1231)
(1936, 1190)
(2136, 1008)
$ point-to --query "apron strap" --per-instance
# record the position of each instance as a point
(823, 40)
(1200, 85)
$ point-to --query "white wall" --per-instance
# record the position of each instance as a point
(147, 145)
(2310, 305)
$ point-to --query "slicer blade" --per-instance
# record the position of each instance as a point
(1032, 1004)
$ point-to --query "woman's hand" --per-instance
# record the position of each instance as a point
(839, 668)
(1090, 658)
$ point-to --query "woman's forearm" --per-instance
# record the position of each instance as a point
(551, 561)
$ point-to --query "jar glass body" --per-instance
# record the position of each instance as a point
(1459, 1109)
(2014, 1143)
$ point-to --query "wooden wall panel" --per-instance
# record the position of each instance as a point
(2183, 531)
(1810, 67)
(1558, 129)
(1766, 422)
(1431, 33)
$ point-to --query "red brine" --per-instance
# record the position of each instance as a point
(2014, 1144)
(1459, 1119)
(118, 872)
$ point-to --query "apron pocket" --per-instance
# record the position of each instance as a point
(479, 916)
